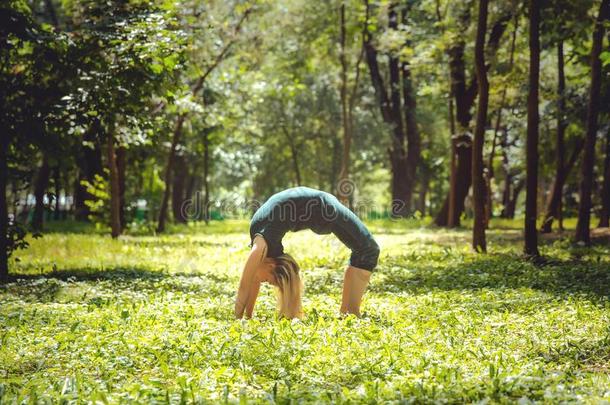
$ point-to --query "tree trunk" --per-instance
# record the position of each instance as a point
(400, 195)
(506, 194)
(512, 200)
(3, 209)
(347, 131)
(479, 243)
(115, 199)
(40, 188)
(554, 202)
(177, 134)
(206, 178)
(531, 236)
(554, 208)
(465, 96)
(424, 184)
(604, 216)
(121, 164)
(508, 176)
(586, 183)
(390, 105)
(89, 164)
(461, 142)
(178, 195)
(334, 169)
(401, 192)
(497, 129)
(412, 131)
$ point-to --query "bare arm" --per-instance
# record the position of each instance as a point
(249, 284)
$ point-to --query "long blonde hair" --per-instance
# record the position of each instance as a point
(289, 286)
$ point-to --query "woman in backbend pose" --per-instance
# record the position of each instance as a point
(293, 210)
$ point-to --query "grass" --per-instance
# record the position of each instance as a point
(149, 318)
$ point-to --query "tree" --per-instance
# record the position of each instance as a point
(500, 132)
(464, 94)
(586, 181)
(30, 55)
(182, 116)
(404, 152)
(115, 200)
(567, 24)
(531, 237)
(554, 208)
(478, 181)
(604, 216)
(145, 49)
(348, 99)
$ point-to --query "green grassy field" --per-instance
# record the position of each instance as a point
(148, 318)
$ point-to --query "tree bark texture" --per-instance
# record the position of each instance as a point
(531, 199)
(464, 95)
(404, 152)
(604, 216)
(178, 189)
(115, 200)
(121, 163)
(4, 224)
(479, 243)
(583, 234)
(554, 208)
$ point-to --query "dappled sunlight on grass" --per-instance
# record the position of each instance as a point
(148, 318)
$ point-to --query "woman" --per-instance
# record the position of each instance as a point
(293, 210)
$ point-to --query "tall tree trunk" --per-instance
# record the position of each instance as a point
(398, 154)
(346, 124)
(506, 194)
(508, 176)
(121, 163)
(586, 183)
(554, 208)
(424, 185)
(512, 200)
(115, 199)
(178, 195)
(479, 243)
(206, 178)
(40, 189)
(604, 216)
(3, 208)
(464, 95)
(531, 236)
(497, 129)
(177, 134)
(334, 169)
(554, 201)
(391, 109)
(461, 142)
(410, 111)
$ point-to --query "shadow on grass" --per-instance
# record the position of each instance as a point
(590, 356)
(175, 243)
(93, 274)
(498, 271)
(47, 287)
